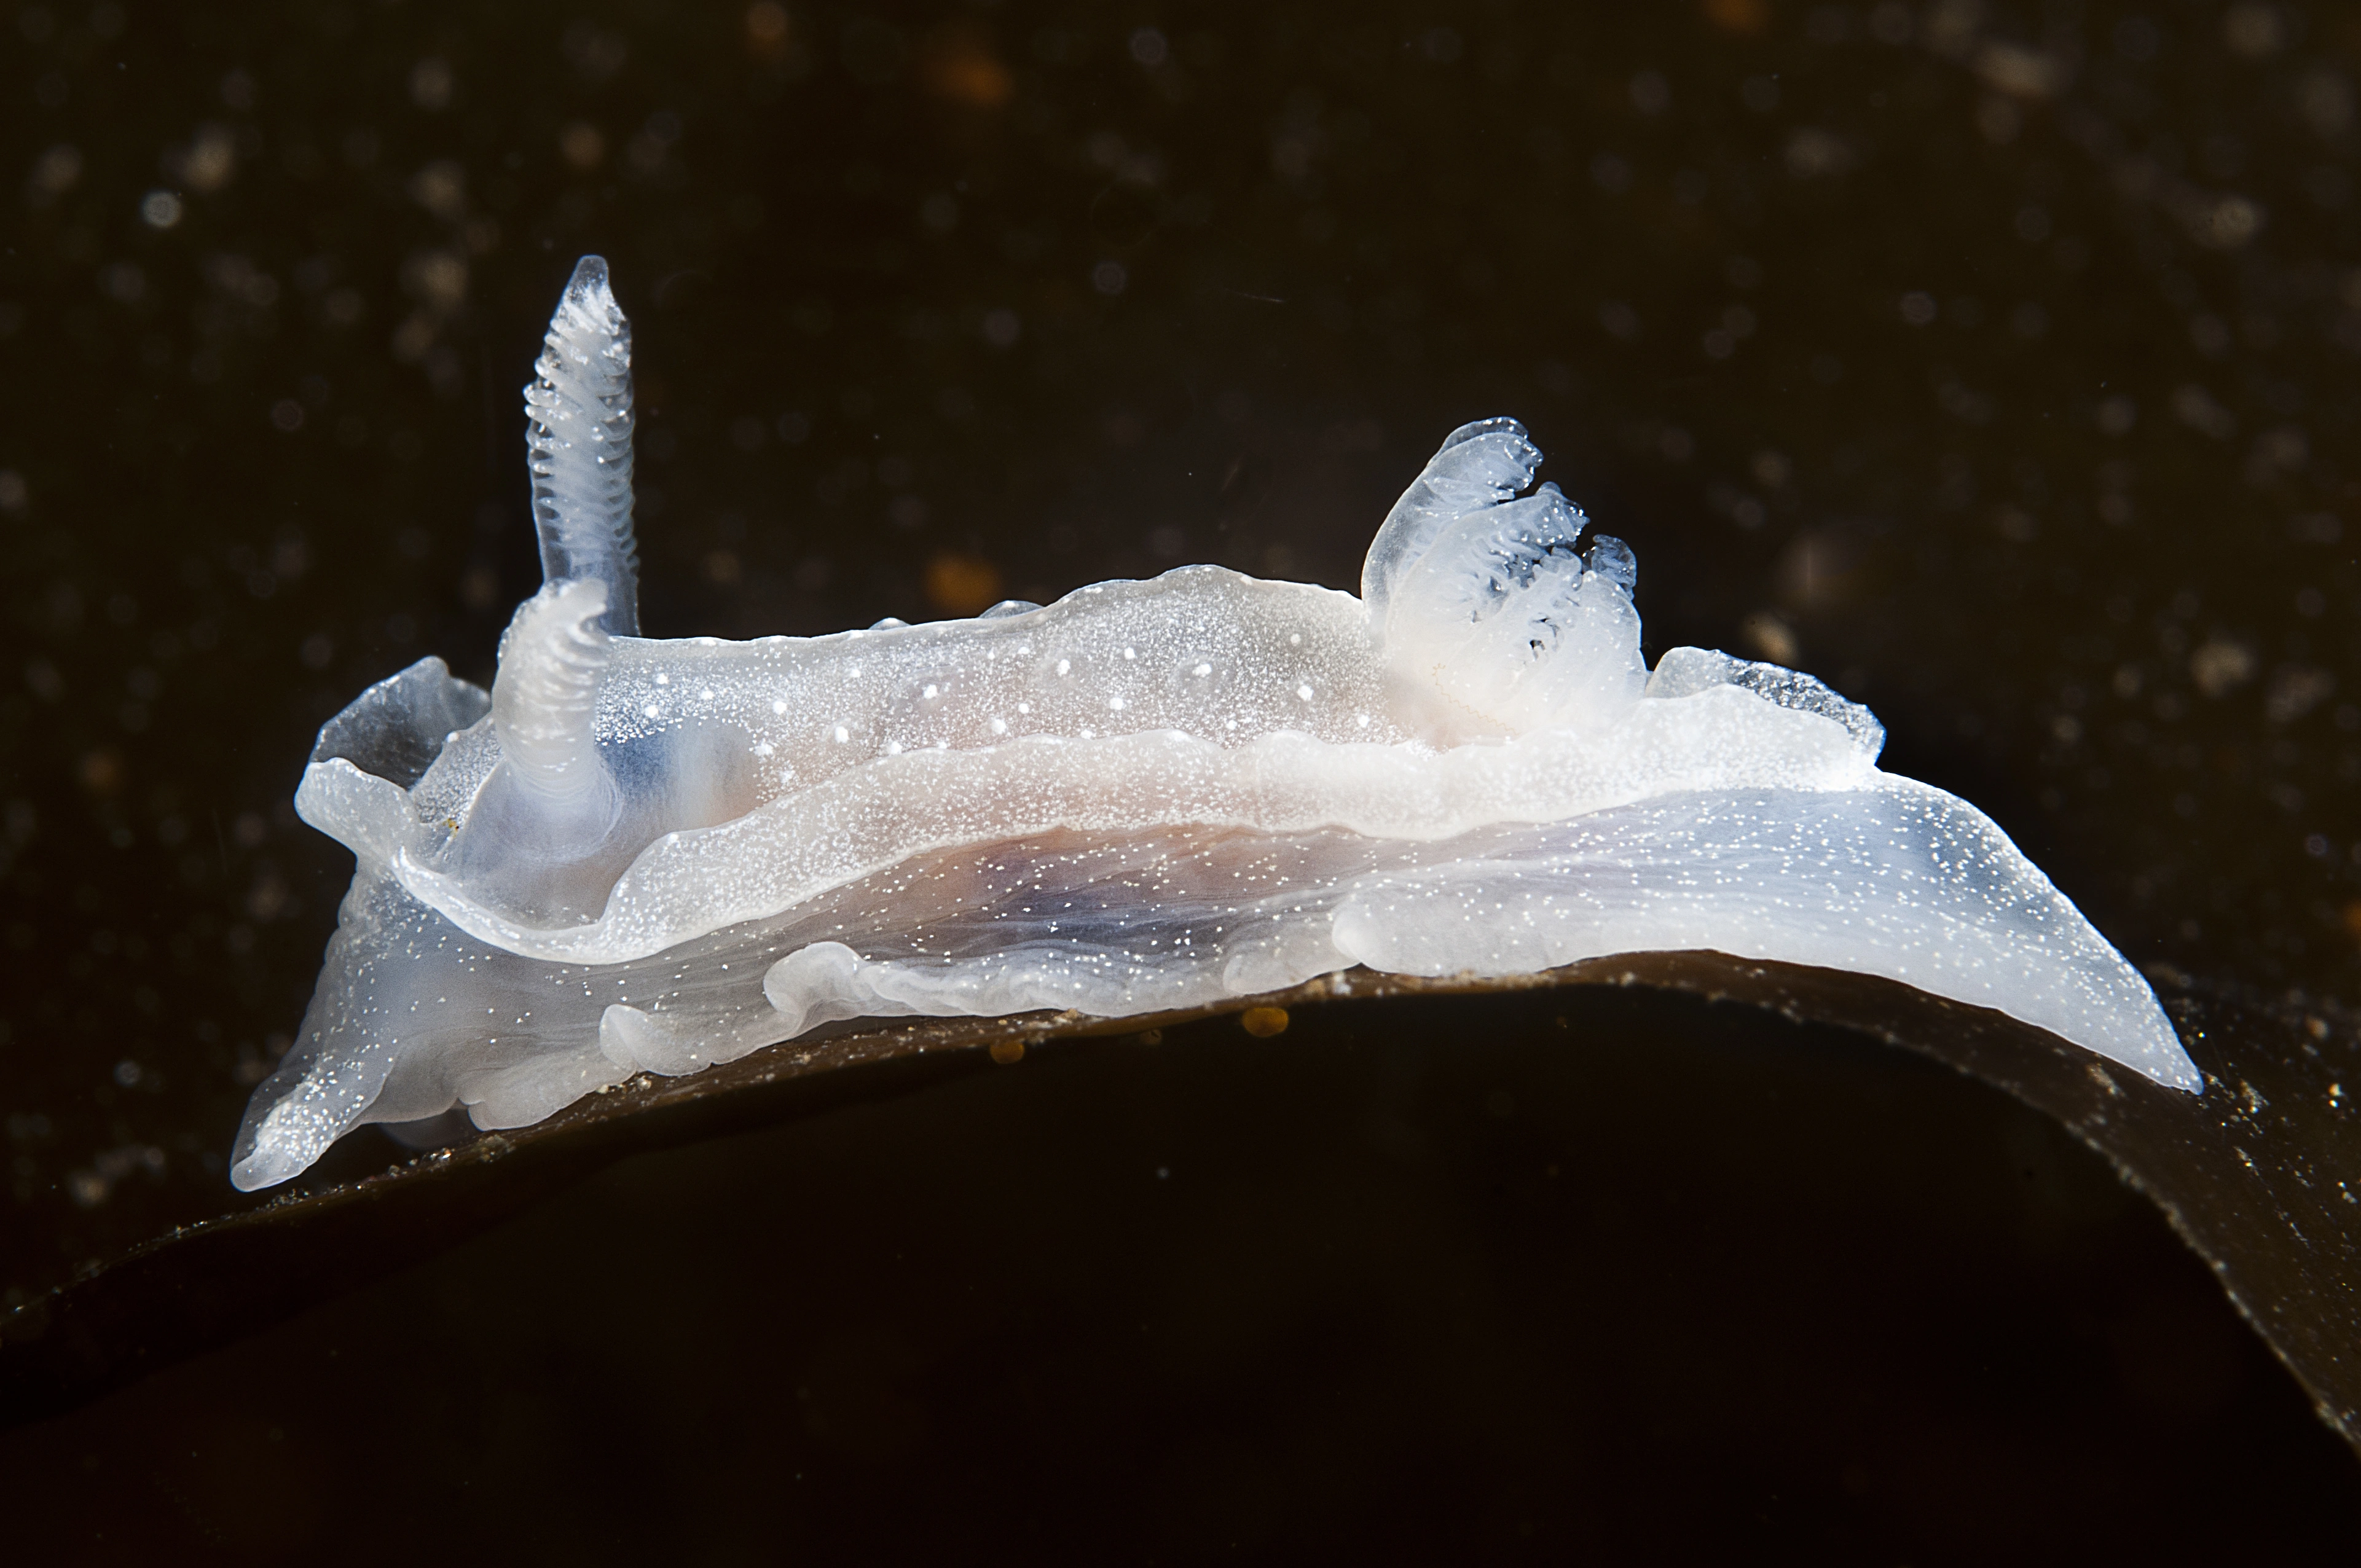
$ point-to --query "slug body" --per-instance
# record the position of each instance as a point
(641, 855)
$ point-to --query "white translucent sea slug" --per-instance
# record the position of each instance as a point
(640, 855)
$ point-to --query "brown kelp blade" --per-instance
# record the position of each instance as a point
(2258, 1175)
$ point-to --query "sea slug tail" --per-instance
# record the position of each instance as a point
(578, 444)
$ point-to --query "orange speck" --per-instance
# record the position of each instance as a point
(2353, 917)
(1738, 16)
(1008, 1053)
(583, 144)
(961, 585)
(959, 66)
(101, 771)
(766, 29)
(976, 79)
(1262, 1022)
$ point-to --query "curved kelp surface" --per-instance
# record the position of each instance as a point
(2258, 1175)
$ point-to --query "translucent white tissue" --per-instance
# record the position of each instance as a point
(653, 856)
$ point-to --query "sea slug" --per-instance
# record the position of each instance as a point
(646, 855)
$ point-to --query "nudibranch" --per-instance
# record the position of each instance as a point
(645, 855)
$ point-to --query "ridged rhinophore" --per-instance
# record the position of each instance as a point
(578, 444)
(545, 699)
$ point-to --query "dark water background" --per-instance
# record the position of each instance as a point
(1995, 363)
